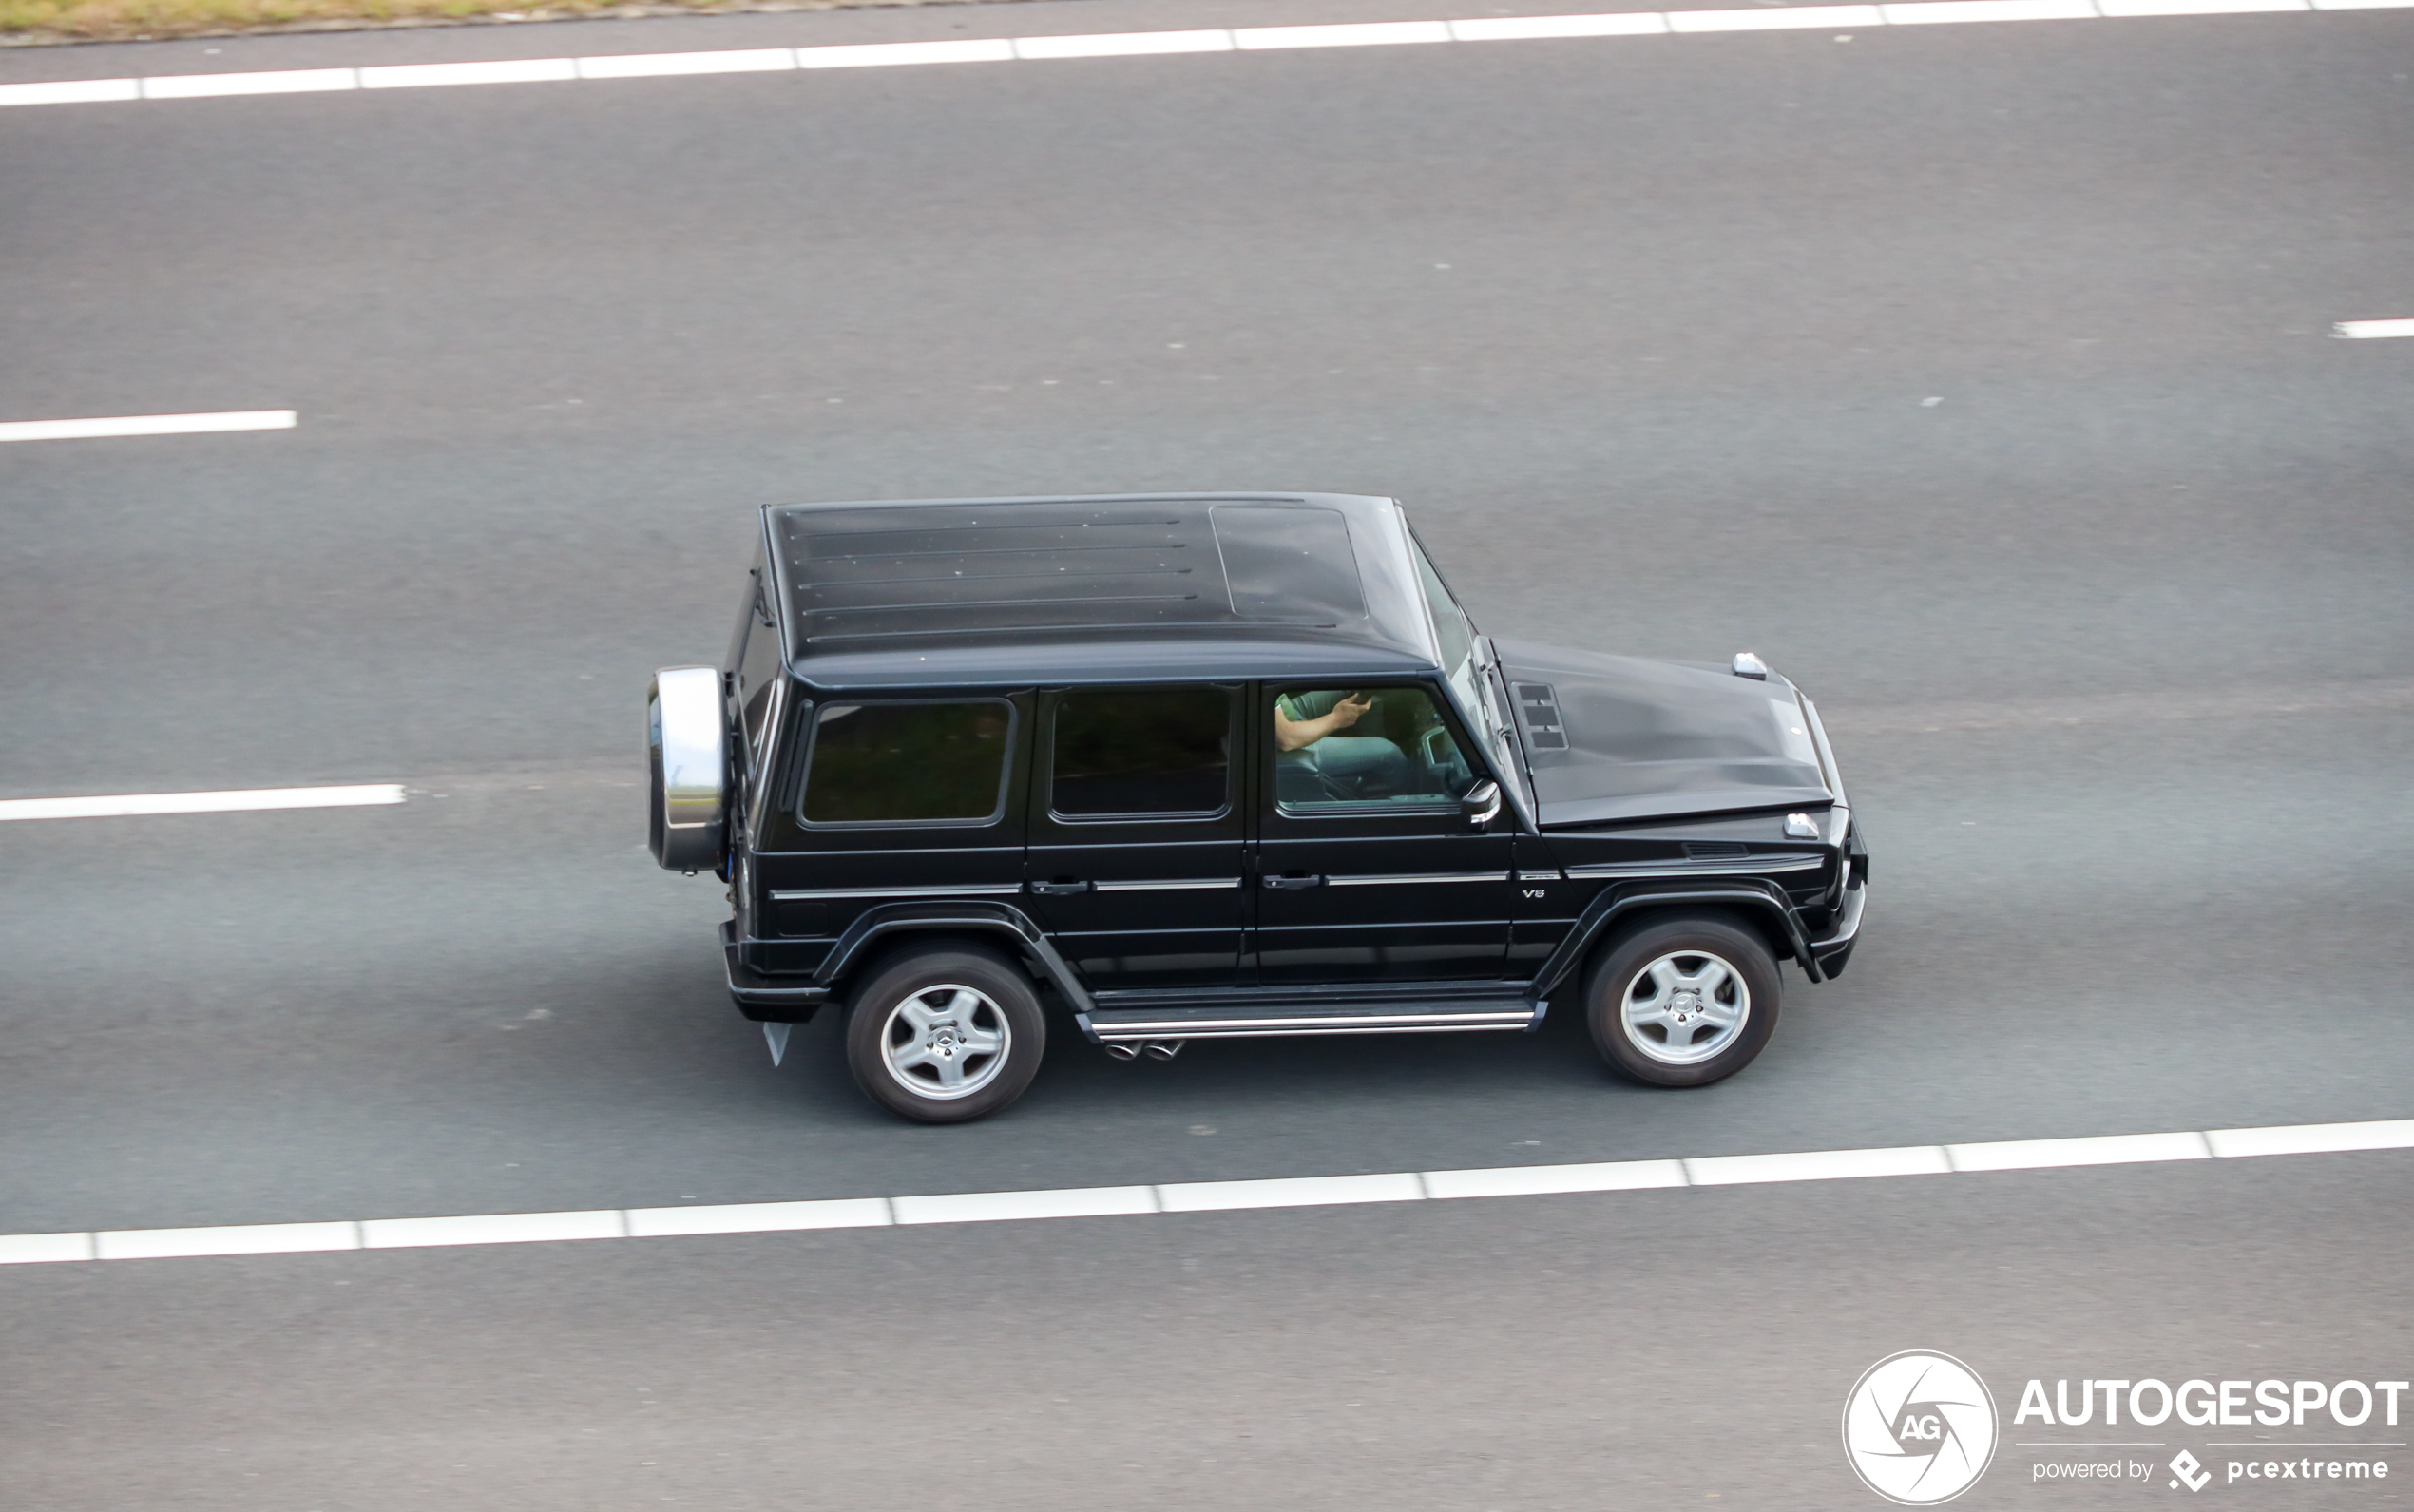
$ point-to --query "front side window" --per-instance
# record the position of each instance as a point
(907, 763)
(1364, 750)
(1141, 752)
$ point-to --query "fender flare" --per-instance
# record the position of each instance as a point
(875, 924)
(1613, 902)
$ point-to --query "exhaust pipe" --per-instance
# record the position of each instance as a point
(1163, 1050)
(1119, 1050)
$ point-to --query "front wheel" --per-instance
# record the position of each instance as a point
(1682, 1003)
(945, 1034)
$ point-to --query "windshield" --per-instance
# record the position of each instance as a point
(1455, 632)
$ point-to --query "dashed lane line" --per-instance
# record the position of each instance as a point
(2372, 329)
(1138, 44)
(122, 804)
(142, 425)
(1204, 1197)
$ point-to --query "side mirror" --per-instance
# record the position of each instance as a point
(688, 742)
(1482, 803)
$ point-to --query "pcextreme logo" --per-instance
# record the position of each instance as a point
(1919, 1427)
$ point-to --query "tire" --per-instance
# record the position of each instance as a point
(1682, 1003)
(944, 1033)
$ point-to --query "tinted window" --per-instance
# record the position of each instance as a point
(907, 763)
(1132, 751)
(1364, 750)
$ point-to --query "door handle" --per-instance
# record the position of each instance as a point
(1054, 890)
(1294, 882)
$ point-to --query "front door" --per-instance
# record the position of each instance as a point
(1136, 833)
(1367, 870)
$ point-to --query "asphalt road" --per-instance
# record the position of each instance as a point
(1976, 376)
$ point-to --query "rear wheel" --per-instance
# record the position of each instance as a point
(944, 1033)
(1682, 1003)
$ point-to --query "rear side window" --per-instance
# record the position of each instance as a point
(907, 763)
(1133, 752)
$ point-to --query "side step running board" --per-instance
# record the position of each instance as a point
(1279, 1020)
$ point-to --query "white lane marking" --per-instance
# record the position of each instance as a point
(1291, 1192)
(2373, 329)
(492, 1228)
(2118, 1149)
(287, 81)
(1352, 34)
(998, 1207)
(1547, 1180)
(71, 91)
(1935, 11)
(427, 75)
(241, 801)
(44, 1249)
(899, 54)
(1213, 1196)
(760, 1218)
(2117, 9)
(656, 64)
(1793, 18)
(246, 1238)
(95, 426)
(1818, 1165)
(1536, 28)
(1132, 43)
(2312, 1138)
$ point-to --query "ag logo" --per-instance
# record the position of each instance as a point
(1919, 1427)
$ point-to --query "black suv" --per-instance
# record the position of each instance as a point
(1222, 765)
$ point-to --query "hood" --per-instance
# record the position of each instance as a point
(1646, 739)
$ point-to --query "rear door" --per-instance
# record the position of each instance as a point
(1135, 832)
(1367, 870)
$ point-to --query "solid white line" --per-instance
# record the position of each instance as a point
(1818, 1165)
(1796, 18)
(492, 1228)
(44, 1249)
(2373, 329)
(896, 54)
(759, 1217)
(1931, 12)
(1537, 28)
(656, 64)
(427, 75)
(2118, 1149)
(997, 1207)
(248, 1239)
(71, 91)
(2312, 1138)
(241, 801)
(1131, 44)
(1206, 1197)
(1544, 1180)
(1137, 43)
(287, 81)
(1290, 1192)
(146, 425)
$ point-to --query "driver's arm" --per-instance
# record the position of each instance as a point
(1291, 735)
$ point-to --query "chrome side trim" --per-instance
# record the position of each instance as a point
(1679, 868)
(803, 894)
(1181, 884)
(1338, 1024)
(1388, 878)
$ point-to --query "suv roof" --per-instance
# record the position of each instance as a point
(960, 591)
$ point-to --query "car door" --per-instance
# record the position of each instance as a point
(1367, 868)
(1137, 831)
